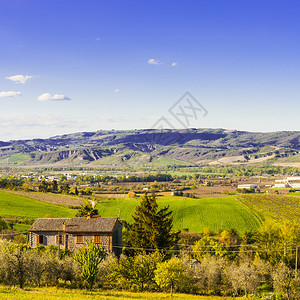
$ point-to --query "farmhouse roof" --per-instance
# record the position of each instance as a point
(74, 224)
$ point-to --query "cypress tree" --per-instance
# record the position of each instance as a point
(152, 227)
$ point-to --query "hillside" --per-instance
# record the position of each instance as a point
(22, 206)
(273, 206)
(193, 214)
(155, 147)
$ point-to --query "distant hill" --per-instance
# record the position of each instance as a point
(155, 147)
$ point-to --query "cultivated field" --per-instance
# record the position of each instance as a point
(194, 214)
(21, 206)
(273, 206)
(59, 199)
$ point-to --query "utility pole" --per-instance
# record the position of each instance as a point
(58, 250)
(296, 260)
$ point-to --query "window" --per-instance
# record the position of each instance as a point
(97, 239)
(79, 239)
(61, 239)
(40, 239)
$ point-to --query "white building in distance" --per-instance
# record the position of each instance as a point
(248, 186)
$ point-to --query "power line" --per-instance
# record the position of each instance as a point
(205, 251)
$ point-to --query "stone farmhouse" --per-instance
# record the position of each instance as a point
(71, 233)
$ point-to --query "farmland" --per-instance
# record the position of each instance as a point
(22, 206)
(241, 212)
(193, 214)
(273, 206)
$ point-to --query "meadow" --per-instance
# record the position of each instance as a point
(22, 206)
(60, 293)
(189, 213)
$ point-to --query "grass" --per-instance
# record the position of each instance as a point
(295, 194)
(60, 293)
(20, 157)
(194, 214)
(66, 200)
(273, 206)
(167, 161)
(295, 158)
(21, 206)
(21, 227)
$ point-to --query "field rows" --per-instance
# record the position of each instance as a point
(194, 214)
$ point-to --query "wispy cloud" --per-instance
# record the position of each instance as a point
(174, 64)
(55, 97)
(116, 90)
(153, 61)
(23, 126)
(19, 78)
(9, 94)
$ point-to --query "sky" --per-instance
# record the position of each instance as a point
(85, 65)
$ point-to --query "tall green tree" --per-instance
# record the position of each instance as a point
(135, 270)
(89, 258)
(171, 274)
(87, 210)
(152, 227)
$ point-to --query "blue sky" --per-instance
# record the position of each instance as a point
(87, 65)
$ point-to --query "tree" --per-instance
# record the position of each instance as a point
(286, 281)
(65, 188)
(54, 186)
(243, 278)
(43, 186)
(136, 270)
(17, 263)
(87, 210)
(152, 227)
(171, 274)
(89, 258)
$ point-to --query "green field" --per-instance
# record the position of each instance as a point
(20, 157)
(21, 206)
(194, 214)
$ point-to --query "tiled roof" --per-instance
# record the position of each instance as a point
(75, 224)
(91, 225)
(46, 224)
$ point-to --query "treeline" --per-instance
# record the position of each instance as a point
(210, 275)
(160, 177)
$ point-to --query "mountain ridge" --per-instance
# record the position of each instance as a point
(192, 146)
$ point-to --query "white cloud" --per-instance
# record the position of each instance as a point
(153, 61)
(174, 64)
(55, 97)
(117, 90)
(19, 78)
(9, 94)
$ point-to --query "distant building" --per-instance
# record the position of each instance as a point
(282, 185)
(248, 186)
(289, 182)
(70, 233)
